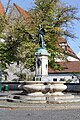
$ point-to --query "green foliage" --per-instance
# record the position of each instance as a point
(20, 45)
(56, 18)
(69, 81)
(21, 39)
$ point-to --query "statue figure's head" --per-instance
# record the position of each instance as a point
(40, 27)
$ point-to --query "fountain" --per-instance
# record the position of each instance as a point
(42, 88)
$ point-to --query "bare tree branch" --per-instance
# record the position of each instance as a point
(8, 5)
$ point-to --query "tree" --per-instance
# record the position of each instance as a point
(18, 45)
(3, 23)
(21, 38)
(56, 19)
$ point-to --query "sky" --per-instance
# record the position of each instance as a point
(73, 43)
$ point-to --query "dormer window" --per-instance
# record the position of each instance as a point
(63, 46)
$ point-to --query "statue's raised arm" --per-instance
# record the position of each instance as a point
(41, 33)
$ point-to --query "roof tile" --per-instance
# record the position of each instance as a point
(68, 49)
(2, 11)
(24, 13)
(68, 67)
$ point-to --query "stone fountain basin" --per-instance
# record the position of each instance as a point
(54, 88)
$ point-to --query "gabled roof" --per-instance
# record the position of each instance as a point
(69, 51)
(68, 67)
(24, 13)
(2, 11)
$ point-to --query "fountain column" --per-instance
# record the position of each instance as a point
(41, 63)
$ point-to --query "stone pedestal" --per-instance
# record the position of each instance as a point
(41, 62)
(41, 65)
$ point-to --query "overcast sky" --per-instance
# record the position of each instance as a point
(74, 44)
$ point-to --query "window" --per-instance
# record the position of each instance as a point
(62, 79)
(54, 79)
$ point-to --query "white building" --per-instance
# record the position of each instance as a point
(70, 65)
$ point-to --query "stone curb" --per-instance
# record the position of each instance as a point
(44, 106)
(40, 108)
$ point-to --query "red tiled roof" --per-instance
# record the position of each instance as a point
(68, 67)
(62, 40)
(1, 9)
(69, 51)
(25, 14)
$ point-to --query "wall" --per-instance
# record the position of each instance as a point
(73, 87)
(11, 85)
(66, 77)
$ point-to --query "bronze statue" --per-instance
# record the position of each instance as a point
(41, 33)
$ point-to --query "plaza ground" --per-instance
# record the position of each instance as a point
(20, 111)
(24, 111)
(23, 105)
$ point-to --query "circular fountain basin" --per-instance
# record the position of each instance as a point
(35, 87)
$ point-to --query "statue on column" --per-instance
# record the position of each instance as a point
(41, 33)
